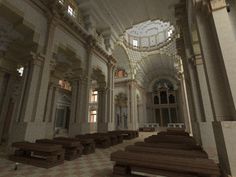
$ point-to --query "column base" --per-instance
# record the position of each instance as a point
(196, 132)
(208, 140)
(79, 128)
(102, 127)
(225, 133)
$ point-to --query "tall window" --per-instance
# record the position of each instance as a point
(170, 32)
(93, 116)
(135, 43)
(61, 1)
(94, 97)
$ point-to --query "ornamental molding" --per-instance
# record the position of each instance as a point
(212, 5)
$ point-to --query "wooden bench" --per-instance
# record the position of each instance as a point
(118, 135)
(129, 134)
(40, 155)
(100, 141)
(88, 144)
(166, 151)
(170, 139)
(147, 129)
(170, 166)
(177, 133)
(73, 149)
(170, 145)
(113, 137)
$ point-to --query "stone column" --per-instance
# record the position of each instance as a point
(76, 121)
(85, 87)
(218, 59)
(110, 97)
(45, 77)
(227, 43)
(2, 86)
(102, 119)
(225, 130)
(27, 128)
(49, 119)
(132, 106)
(205, 122)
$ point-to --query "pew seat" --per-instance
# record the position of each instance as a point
(170, 145)
(171, 166)
(73, 149)
(165, 151)
(176, 133)
(100, 141)
(88, 144)
(37, 154)
(170, 139)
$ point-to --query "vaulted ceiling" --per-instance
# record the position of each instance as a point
(117, 16)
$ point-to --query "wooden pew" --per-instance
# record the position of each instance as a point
(147, 129)
(40, 155)
(113, 137)
(170, 145)
(100, 141)
(165, 151)
(88, 144)
(129, 134)
(170, 166)
(73, 149)
(118, 135)
(170, 139)
(178, 133)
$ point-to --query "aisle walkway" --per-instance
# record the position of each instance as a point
(94, 165)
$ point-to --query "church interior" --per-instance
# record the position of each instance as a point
(117, 88)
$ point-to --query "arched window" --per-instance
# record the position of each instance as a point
(94, 97)
(93, 116)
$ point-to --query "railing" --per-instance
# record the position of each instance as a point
(176, 125)
(150, 125)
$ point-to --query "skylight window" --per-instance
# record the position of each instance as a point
(170, 32)
(21, 71)
(71, 11)
(148, 35)
(61, 1)
(135, 43)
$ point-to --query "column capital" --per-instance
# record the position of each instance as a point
(36, 58)
(217, 4)
(211, 4)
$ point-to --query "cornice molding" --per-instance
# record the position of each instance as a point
(75, 28)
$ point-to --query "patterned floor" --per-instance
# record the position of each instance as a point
(94, 165)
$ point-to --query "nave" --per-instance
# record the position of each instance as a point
(93, 165)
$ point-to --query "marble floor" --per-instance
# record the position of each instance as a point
(94, 165)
